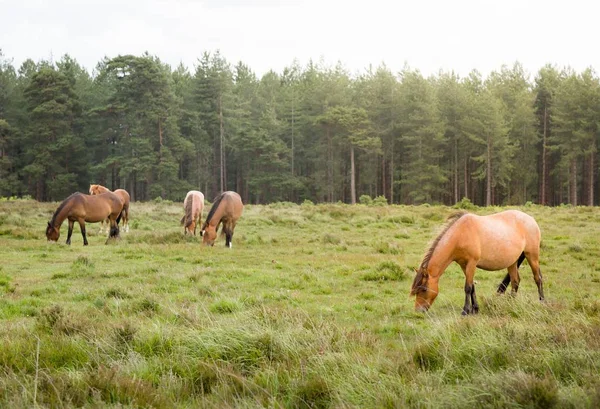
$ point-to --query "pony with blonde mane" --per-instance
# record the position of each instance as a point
(226, 209)
(83, 208)
(125, 199)
(193, 205)
(493, 242)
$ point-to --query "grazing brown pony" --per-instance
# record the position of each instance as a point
(123, 195)
(83, 208)
(494, 242)
(193, 205)
(227, 209)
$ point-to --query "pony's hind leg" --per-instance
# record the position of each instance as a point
(126, 220)
(534, 263)
(513, 272)
(504, 284)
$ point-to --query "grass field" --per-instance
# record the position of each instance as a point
(309, 309)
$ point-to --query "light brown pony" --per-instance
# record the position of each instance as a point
(83, 208)
(494, 242)
(227, 209)
(193, 205)
(125, 199)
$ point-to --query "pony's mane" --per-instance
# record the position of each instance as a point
(453, 218)
(213, 209)
(188, 211)
(421, 277)
(61, 206)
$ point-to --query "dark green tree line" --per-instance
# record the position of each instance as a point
(311, 132)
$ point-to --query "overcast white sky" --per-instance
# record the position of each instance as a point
(429, 35)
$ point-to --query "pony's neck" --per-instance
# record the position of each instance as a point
(442, 256)
(438, 263)
(59, 217)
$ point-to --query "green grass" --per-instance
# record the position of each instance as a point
(310, 309)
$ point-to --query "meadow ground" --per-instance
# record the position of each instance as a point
(310, 308)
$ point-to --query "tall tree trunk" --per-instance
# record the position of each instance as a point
(329, 167)
(488, 188)
(392, 171)
(455, 170)
(292, 132)
(132, 188)
(544, 159)
(221, 156)
(383, 177)
(352, 176)
(466, 177)
(573, 182)
(160, 134)
(591, 180)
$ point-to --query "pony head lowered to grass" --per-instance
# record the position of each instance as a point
(227, 209)
(493, 242)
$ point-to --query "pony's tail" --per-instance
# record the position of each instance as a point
(182, 220)
(188, 205)
(119, 217)
(504, 284)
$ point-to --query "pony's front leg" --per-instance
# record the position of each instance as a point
(474, 304)
(471, 305)
(228, 229)
(71, 222)
(82, 227)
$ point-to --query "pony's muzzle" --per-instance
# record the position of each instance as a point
(422, 308)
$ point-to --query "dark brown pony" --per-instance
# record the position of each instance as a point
(493, 242)
(84, 208)
(227, 209)
(125, 199)
(193, 205)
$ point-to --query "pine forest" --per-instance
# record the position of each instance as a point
(311, 132)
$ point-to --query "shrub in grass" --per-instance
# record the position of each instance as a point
(365, 200)
(63, 352)
(117, 293)
(116, 387)
(125, 333)
(199, 378)
(147, 305)
(385, 271)
(465, 204)
(82, 265)
(384, 247)
(313, 392)
(428, 356)
(331, 239)
(407, 219)
(225, 307)
(530, 391)
(380, 201)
